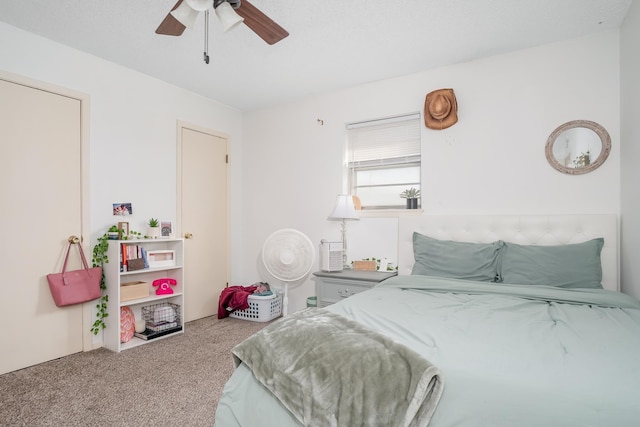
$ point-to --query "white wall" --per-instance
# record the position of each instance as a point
(132, 128)
(630, 152)
(133, 125)
(286, 168)
(491, 161)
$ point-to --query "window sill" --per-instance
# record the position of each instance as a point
(388, 213)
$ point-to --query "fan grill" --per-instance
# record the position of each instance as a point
(288, 255)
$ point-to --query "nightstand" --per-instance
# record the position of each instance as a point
(332, 287)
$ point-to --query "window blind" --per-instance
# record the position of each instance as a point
(386, 141)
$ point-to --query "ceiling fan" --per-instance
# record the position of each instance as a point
(229, 12)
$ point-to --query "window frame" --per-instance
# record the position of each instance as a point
(405, 157)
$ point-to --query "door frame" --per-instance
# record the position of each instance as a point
(180, 125)
(88, 342)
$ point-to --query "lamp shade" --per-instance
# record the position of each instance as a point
(188, 11)
(344, 208)
(227, 16)
(185, 15)
(199, 5)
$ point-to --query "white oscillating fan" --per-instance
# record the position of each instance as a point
(288, 256)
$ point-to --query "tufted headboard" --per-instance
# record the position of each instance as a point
(521, 229)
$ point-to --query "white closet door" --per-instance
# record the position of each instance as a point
(203, 213)
(40, 189)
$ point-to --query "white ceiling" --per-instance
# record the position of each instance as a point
(333, 44)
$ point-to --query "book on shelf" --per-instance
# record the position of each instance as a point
(123, 257)
(162, 326)
(143, 252)
(132, 257)
(148, 334)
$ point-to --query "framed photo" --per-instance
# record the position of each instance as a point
(122, 209)
(123, 230)
(166, 228)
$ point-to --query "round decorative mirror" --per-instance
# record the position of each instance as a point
(578, 147)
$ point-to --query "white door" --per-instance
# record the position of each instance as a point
(203, 217)
(40, 189)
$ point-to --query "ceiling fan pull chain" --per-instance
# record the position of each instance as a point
(206, 36)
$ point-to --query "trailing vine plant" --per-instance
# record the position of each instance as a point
(100, 258)
(133, 235)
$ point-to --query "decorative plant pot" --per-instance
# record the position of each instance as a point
(112, 235)
(154, 232)
(412, 203)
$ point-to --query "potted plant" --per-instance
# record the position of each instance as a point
(381, 264)
(153, 231)
(412, 195)
(112, 233)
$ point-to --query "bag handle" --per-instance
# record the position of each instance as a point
(72, 241)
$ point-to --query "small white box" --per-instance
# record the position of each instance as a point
(331, 256)
(261, 308)
(161, 258)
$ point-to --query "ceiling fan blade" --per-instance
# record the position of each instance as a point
(170, 26)
(260, 23)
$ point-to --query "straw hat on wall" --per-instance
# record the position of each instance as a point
(440, 109)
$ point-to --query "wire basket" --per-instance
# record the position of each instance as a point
(261, 308)
(159, 317)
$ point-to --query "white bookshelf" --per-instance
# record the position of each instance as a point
(114, 277)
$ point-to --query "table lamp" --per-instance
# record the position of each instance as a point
(344, 210)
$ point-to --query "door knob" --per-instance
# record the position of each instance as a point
(188, 235)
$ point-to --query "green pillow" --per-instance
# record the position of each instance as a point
(459, 260)
(566, 266)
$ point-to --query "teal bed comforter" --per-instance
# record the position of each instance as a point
(509, 355)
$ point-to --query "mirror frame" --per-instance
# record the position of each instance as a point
(605, 139)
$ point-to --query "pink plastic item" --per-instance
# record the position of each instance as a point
(164, 285)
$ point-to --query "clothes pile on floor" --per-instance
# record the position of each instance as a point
(237, 297)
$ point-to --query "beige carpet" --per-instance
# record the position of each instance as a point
(171, 382)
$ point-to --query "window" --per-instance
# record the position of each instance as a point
(383, 159)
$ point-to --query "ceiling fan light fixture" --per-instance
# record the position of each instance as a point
(200, 5)
(185, 14)
(227, 16)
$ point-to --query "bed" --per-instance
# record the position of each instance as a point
(492, 321)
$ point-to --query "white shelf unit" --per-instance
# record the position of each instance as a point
(114, 278)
